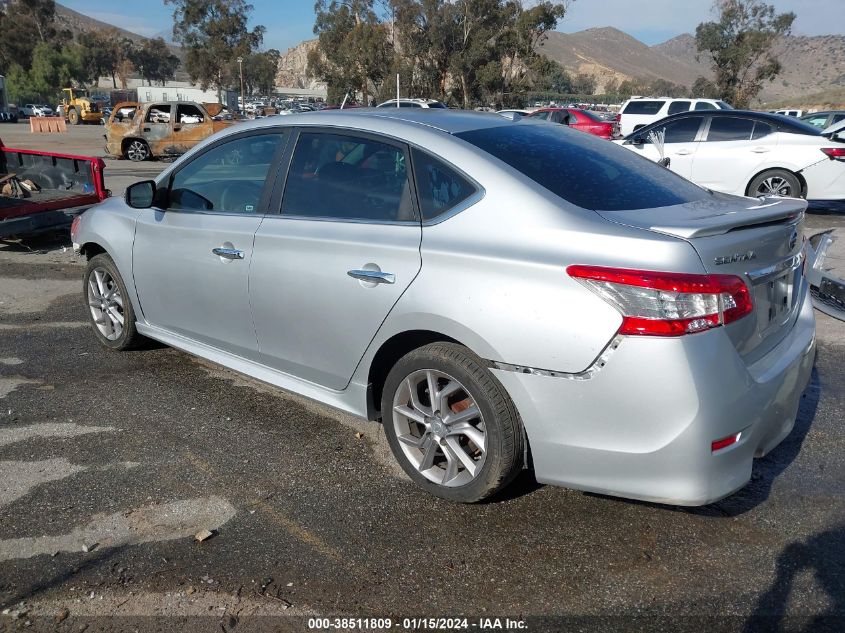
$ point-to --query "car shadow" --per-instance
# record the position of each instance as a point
(822, 555)
(765, 470)
(41, 242)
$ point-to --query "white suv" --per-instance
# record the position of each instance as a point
(641, 111)
(412, 103)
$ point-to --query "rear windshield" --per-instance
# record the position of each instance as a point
(584, 170)
(643, 107)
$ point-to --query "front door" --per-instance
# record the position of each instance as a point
(679, 144)
(328, 270)
(191, 257)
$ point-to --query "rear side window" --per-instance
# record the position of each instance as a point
(730, 129)
(643, 107)
(583, 169)
(761, 129)
(188, 114)
(440, 187)
(346, 177)
(705, 105)
(679, 106)
(158, 113)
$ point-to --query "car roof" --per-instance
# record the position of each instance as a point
(781, 122)
(449, 121)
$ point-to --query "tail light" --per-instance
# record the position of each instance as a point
(834, 152)
(730, 440)
(667, 304)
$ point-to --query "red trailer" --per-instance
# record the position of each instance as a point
(44, 190)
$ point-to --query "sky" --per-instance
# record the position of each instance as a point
(289, 22)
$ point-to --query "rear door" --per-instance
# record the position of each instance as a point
(191, 126)
(733, 150)
(328, 269)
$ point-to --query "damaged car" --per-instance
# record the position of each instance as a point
(139, 132)
(748, 154)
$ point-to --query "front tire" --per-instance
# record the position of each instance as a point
(775, 182)
(137, 151)
(463, 444)
(110, 310)
(73, 116)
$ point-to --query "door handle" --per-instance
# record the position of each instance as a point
(760, 150)
(374, 276)
(228, 253)
(683, 152)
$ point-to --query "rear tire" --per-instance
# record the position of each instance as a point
(73, 116)
(466, 443)
(775, 182)
(110, 309)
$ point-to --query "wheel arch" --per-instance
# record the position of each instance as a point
(125, 143)
(795, 173)
(388, 354)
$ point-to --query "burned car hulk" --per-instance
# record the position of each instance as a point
(160, 128)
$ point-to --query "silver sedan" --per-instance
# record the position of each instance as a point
(501, 294)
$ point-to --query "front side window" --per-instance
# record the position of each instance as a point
(682, 131)
(583, 169)
(730, 129)
(228, 178)
(643, 107)
(679, 106)
(440, 187)
(345, 177)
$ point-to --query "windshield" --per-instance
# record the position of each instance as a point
(587, 171)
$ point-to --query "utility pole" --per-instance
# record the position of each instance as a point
(241, 72)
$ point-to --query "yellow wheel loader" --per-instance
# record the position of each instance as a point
(77, 107)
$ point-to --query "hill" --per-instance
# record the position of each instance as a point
(609, 53)
(77, 23)
(811, 65)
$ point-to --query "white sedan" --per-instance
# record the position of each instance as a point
(747, 153)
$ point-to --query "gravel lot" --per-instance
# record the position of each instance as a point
(110, 464)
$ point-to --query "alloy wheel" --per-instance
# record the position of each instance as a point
(137, 151)
(774, 186)
(440, 428)
(105, 303)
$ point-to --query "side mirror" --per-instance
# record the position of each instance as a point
(141, 195)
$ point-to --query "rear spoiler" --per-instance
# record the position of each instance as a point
(692, 223)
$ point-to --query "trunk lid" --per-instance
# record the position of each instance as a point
(758, 240)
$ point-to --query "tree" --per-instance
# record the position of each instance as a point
(214, 33)
(260, 71)
(352, 50)
(23, 25)
(740, 46)
(154, 61)
(704, 88)
(51, 70)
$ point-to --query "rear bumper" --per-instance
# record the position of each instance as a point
(641, 426)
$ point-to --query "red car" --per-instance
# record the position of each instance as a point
(44, 190)
(582, 120)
